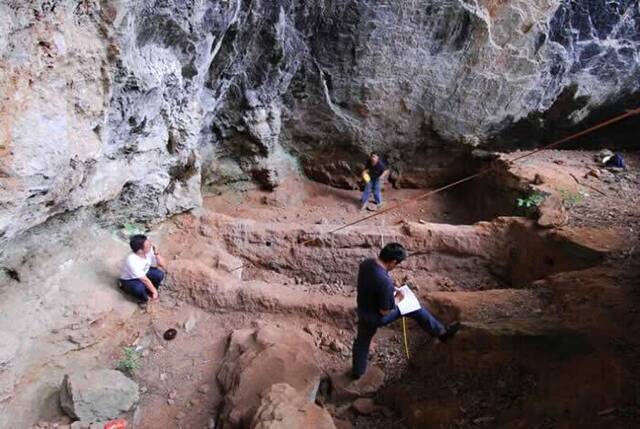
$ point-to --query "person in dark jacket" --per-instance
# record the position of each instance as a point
(377, 298)
(375, 171)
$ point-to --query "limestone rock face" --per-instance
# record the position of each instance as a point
(97, 395)
(131, 107)
(9, 347)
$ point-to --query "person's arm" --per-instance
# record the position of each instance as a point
(160, 262)
(386, 302)
(385, 172)
(150, 287)
(365, 169)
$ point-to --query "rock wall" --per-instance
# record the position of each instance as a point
(134, 106)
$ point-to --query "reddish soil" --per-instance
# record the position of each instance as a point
(519, 348)
(550, 335)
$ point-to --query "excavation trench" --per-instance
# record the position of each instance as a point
(487, 274)
(534, 301)
(505, 253)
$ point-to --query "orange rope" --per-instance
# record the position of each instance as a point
(478, 174)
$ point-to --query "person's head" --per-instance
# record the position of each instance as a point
(139, 242)
(392, 254)
(374, 157)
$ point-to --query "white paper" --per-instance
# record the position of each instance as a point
(409, 303)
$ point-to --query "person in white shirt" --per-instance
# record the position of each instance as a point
(143, 270)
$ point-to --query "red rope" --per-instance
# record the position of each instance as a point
(478, 174)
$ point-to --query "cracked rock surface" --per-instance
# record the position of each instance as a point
(134, 106)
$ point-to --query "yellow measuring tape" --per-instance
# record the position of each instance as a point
(404, 332)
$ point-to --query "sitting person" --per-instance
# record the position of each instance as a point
(143, 270)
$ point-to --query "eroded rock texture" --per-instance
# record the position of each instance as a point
(133, 106)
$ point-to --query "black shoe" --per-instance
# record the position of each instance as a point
(451, 331)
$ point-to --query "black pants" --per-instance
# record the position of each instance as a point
(137, 289)
(367, 329)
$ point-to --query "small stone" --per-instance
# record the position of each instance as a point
(203, 388)
(144, 389)
(212, 423)
(593, 173)
(170, 401)
(173, 394)
(365, 405)
(190, 323)
(336, 346)
(163, 377)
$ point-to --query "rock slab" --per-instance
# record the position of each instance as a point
(97, 395)
(345, 388)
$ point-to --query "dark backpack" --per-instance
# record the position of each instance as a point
(616, 161)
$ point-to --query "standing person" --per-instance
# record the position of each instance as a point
(375, 171)
(377, 308)
(143, 270)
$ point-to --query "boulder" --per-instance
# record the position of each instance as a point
(257, 359)
(97, 395)
(345, 388)
(283, 407)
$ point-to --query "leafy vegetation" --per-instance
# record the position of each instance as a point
(130, 360)
(533, 199)
(132, 229)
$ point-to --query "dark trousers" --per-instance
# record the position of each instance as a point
(137, 289)
(367, 329)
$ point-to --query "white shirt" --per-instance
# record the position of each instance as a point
(136, 267)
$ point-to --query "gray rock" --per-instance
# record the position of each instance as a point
(134, 106)
(96, 395)
(9, 345)
(190, 323)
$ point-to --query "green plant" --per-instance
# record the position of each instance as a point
(533, 199)
(127, 230)
(133, 229)
(130, 360)
(571, 198)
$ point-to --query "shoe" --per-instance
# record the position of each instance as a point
(363, 207)
(450, 332)
(379, 206)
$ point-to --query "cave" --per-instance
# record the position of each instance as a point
(233, 135)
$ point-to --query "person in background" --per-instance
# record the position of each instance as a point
(143, 270)
(375, 171)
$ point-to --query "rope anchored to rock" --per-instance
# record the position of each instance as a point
(480, 173)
